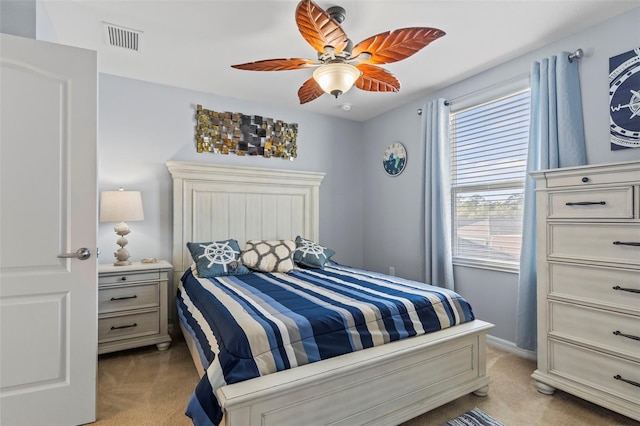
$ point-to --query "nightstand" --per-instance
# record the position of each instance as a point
(132, 306)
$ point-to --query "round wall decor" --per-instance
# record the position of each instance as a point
(394, 159)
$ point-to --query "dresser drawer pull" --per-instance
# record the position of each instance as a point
(631, 382)
(630, 290)
(113, 299)
(628, 336)
(113, 327)
(586, 203)
(626, 243)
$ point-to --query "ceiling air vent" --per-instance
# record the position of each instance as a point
(122, 37)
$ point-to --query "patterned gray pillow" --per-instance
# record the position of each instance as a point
(269, 255)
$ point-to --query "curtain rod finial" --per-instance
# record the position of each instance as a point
(578, 54)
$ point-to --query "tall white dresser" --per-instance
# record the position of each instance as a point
(588, 224)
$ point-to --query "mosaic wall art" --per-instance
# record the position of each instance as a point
(239, 134)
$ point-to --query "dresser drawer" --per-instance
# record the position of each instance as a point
(128, 277)
(595, 369)
(128, 326)
(595, 242)
(609, 287)
(124, 297)
(609, 203)
(596, 327)
(592, 176)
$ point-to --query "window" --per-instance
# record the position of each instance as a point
(489, 142)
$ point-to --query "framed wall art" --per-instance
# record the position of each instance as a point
(624, 100)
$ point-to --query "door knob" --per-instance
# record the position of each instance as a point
(82, 254)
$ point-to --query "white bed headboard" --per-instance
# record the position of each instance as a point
(217, 202)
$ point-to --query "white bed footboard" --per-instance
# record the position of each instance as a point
(385, 385)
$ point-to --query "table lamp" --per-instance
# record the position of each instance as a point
(121, 206)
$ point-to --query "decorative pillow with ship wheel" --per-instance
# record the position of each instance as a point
(310, 254)
(218, 258)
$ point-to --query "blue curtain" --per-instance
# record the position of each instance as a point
(437, 195)
(556, 139)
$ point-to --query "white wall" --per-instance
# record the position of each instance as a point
(18, 17)
(142, 125)
(393, 222)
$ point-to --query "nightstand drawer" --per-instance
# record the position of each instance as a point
(609, 203)
(113, 299)
(128, 277)
(128, 326)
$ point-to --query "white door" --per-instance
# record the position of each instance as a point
(48, 305)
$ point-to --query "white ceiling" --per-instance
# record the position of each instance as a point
(191, 44)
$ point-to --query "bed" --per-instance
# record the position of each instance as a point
(381, 384)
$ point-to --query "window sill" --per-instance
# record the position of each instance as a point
(500, 267)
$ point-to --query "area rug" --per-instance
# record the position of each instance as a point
(475, 417)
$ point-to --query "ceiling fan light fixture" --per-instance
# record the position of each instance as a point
(337, 78)
(334, 73)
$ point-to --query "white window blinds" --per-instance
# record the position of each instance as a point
(488, 166)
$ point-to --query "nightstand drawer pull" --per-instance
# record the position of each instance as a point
(123, 279)
(626, 243)
(631, 382)
(630, 290)
(113, 299)
(586, 203)
(628, 336)
(124, 326)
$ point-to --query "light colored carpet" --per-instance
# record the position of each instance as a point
(149, 387)
(145, 387)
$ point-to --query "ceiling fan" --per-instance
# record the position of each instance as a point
(340, 65)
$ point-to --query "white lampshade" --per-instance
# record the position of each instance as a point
(121, 206)
(336, 79)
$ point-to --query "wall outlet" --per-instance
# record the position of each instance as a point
(392, 271)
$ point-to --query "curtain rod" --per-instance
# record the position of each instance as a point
(578, 54)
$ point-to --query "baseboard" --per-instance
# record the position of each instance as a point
(511, 347)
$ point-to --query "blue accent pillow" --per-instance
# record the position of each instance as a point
(218, 258)
(310, 254)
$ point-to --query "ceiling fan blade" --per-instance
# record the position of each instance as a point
(309, 91)
(395, 46)
(276, 64)
(376, 79)
(318, 28)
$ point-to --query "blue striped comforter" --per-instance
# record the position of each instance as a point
(251, 325)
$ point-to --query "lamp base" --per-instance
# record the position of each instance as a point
(122, 254)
